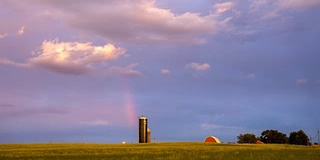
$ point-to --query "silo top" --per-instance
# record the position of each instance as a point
(142, 117)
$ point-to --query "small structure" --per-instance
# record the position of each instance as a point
(212, 139)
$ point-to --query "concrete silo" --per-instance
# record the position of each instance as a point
(143, 129)
(149, 135)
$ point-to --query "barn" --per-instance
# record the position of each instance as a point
(212, 139)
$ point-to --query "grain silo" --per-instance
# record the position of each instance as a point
(149, 135)
(143, 129)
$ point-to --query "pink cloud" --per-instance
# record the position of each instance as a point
(69, 57)
(139, 21)
(3, 35)
(301, 81)
(21, 31)
(125, 71)
(9, 62)
(199, 67)
(165, 71)
(223, 7)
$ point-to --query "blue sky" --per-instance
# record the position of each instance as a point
(84, 71)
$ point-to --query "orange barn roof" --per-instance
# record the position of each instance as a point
(212, 139)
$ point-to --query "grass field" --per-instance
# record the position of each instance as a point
(157, 151)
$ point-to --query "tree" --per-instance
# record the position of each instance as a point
(298, 138)
(273, 136)
(247, 138)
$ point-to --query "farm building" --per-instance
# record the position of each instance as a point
(212, 139)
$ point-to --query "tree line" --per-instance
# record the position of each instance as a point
(274, 136)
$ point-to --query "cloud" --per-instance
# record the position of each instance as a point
(21, 31)
(199, 67)
(283, 4)
(125, 71)
(97, 122)
(207, 126)
(252, 20)
(223, 7)
(298, 4)
(165, 71)
(301, 81)
(251, 76)
(9, 111)
(3, 35)
(6, 105)
(9, 62)
(139, 21)
(69, 57)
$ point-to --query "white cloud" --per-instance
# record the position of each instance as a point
(301, 81)
(126, 71)
(223, 7)
(251, 76)
(21, 31)
(9, 62)
(296, 4)
(97, 122)
(69, 57)
(199, 67)
(207, 126)
(218, 116)
(165, 71)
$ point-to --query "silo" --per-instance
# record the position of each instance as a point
(143, 129)
(149, 135)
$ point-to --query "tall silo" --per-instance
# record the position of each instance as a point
(143, 129)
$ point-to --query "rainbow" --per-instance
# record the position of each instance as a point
(130, 108)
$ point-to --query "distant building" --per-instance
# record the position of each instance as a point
(143, 129)
(212, 139)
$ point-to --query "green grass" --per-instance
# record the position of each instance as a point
(157, 151)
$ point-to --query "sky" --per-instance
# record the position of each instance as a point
(83, 71)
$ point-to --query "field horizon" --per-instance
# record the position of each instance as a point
(157, 151)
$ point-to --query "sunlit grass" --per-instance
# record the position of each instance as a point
(157, 151)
